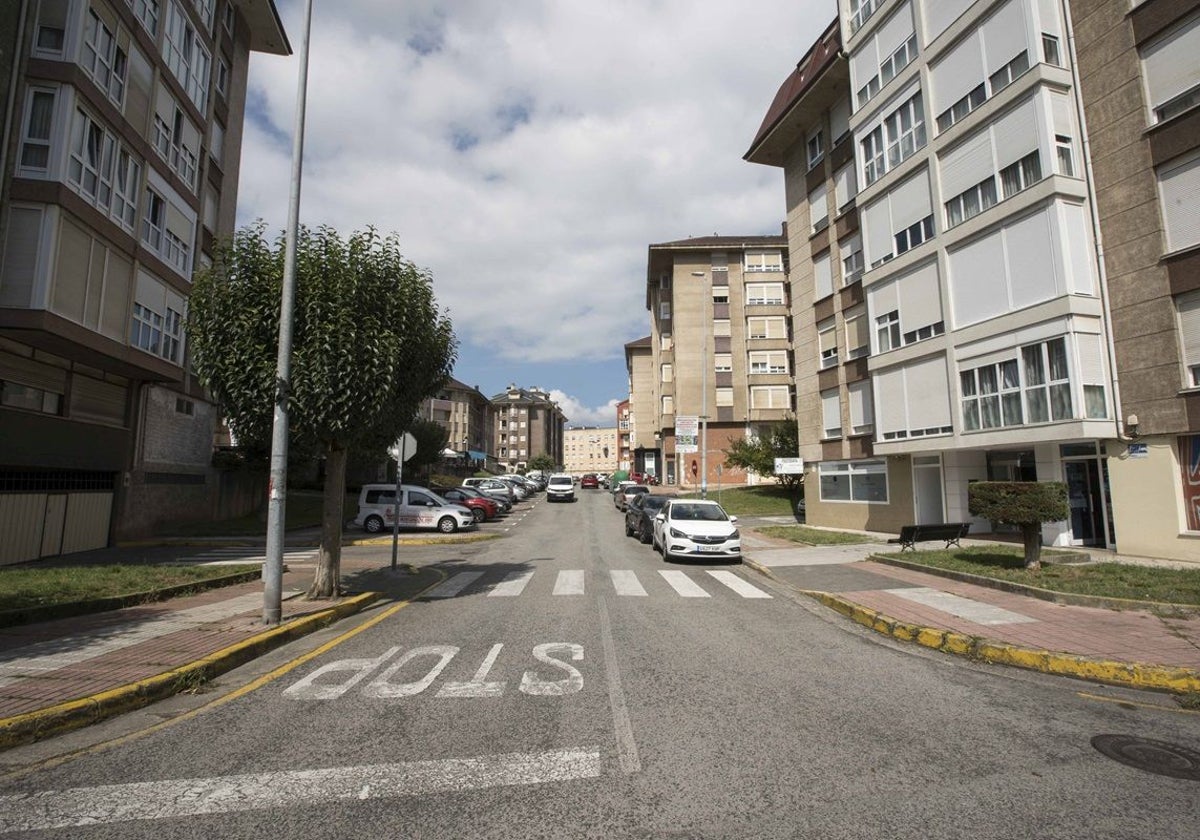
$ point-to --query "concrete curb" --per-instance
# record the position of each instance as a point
(449, 540)
(1071, 599)
(64, 717)
(237, 542)
(1133, 675)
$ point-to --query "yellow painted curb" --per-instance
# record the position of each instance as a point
(85, 711)
(1133, 675)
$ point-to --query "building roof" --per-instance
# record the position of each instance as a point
(648, 341)
(266, 27)
(729, 243)
(800, 99)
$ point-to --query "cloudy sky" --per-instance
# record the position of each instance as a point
(527, 152)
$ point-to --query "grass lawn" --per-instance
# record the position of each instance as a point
(813, 536)
(36, 586)
(302, 510)
(1110, 580)
(764, 500)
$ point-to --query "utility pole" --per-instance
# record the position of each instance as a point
(704, 418)
(277, 488)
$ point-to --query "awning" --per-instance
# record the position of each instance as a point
(477, 455)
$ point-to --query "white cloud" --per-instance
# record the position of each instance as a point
(528, 152)
(578, 414)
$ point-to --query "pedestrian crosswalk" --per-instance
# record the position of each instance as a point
(621, 582)
(234, 555)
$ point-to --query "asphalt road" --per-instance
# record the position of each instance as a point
(549, 697)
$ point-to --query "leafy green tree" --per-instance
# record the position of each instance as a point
(369, 343)
(758, 454)
(1026, 504)
(542, 462)
(431, 438)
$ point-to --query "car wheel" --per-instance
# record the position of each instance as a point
(447, 525)
(373, 524)
(478, 515)
(642, 536)
(628, 530)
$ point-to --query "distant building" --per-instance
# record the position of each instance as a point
(624, 436)
(645, 437)
(590, 450)
(464, 412)
(526, 423)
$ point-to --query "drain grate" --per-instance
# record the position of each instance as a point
(1152, 756)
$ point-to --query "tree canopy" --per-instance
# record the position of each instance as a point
(758, 453)
(1026, 504)
(369, 343)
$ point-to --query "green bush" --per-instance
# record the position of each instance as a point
(1025, 504)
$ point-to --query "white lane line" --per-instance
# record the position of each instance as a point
(453, 585)
(625, 582)
(569, 582)
(69, 650)
(738, 584)
(975, 611)
(513, 584)
(171, 799)
(683, 584)
(627, 751)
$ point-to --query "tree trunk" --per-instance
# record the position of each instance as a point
(1033, 546)
(327, 580)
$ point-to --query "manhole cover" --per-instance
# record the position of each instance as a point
(1152, 756)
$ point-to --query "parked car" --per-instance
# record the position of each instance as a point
(589, 482)
(617, 488)
(481, 507)
(626, 494)
(492, 487)
(503, 503)
(640, 513)
(561, 488)
(696, 528)
(419, 508)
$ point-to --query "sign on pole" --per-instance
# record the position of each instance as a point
(406, 444)
(401, 451)
(687, 431)
(789, 466)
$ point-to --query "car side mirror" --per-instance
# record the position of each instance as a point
(662, 517)
(733, 519)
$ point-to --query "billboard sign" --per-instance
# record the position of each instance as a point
(687, 431)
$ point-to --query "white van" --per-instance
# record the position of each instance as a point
(419, 508)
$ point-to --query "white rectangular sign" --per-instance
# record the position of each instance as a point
(687, 430)
(789, 466)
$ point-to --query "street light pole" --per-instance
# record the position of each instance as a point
(277, 488)
(704, 419)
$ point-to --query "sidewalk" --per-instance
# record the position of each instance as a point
(1132, 647)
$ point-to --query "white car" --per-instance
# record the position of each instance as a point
(696, 528)
(419, 508)
(560, 488)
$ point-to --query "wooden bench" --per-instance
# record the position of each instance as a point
(951, 532)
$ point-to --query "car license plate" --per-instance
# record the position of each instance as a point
(708, 548)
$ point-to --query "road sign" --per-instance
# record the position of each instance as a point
(789, 466)
(406, 444)
(687, 430)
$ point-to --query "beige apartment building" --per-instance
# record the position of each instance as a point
(1138, 69)
(624, 436)
(720, 348)
(645, 436)
(120, 152)
(590, 449)
(526, 423)
(464, 412)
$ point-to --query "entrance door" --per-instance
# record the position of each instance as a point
(927, 485)
(1086, 500)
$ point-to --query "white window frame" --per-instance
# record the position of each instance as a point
(102, 59)
(723, 362)
(827, 344)
(971, 202)
(887, 331)
(760, 259)
(1022, 174)
(768, 362)
(772, 395)
(186, 55)
(765, 294)
(1009, 73)
(815, 147)
(147, 12)
(763, 329)
(851, 470)
(31, 142)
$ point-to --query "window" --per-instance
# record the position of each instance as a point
(222, 76)
(897, 61)
(873, 155)
(887, 331)
(102, 171)
(720, 327)
(28, 398)
(665, 341)
(853, 481)
(185, 55)
(816, 147)
(852, 260)
(168, 244)
(831, 414)
(1005, 76)
(827, 343)
(764, 261)
(1035, 389)
(844, 187)
(971, 203)
(862, 413)
(664, 282)
(720, 294)
(770, 396)
(668, 404)
(205, 9)
(216, 142)
(102, 59)
(51, 29)
(766, 327)
(667, 374)
(905, 130)
(664, 310)
(722, 362)
(724, 396)
(1021, 175)
(860, 12)
(1171, 69)
(922, 333)
(770, 361)
(1050, 53)
(1179, 196)
(858, 337)
(818, 209)
(976, 97)
(145, 331)
(1048, 387)
(868, 91)
(228, 17)
(764, 294)
(35, 139)
(1065, 157)
(176, 142)
(146, 12)
(914, 235)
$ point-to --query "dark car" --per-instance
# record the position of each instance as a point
(639, 515)
(482, 507)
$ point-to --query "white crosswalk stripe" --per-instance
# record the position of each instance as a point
(738, 584)
(683, 584)
(513, 583)
(231, 556)
(625, 583)
(569, 582)
(453, 585)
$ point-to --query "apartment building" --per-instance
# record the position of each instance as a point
(122, 152)
(526, 423)
(464, 412)
(624, 436)
(590, 449)
(986, 351)
(1138, 70)
(721, 347)
(644, 436)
